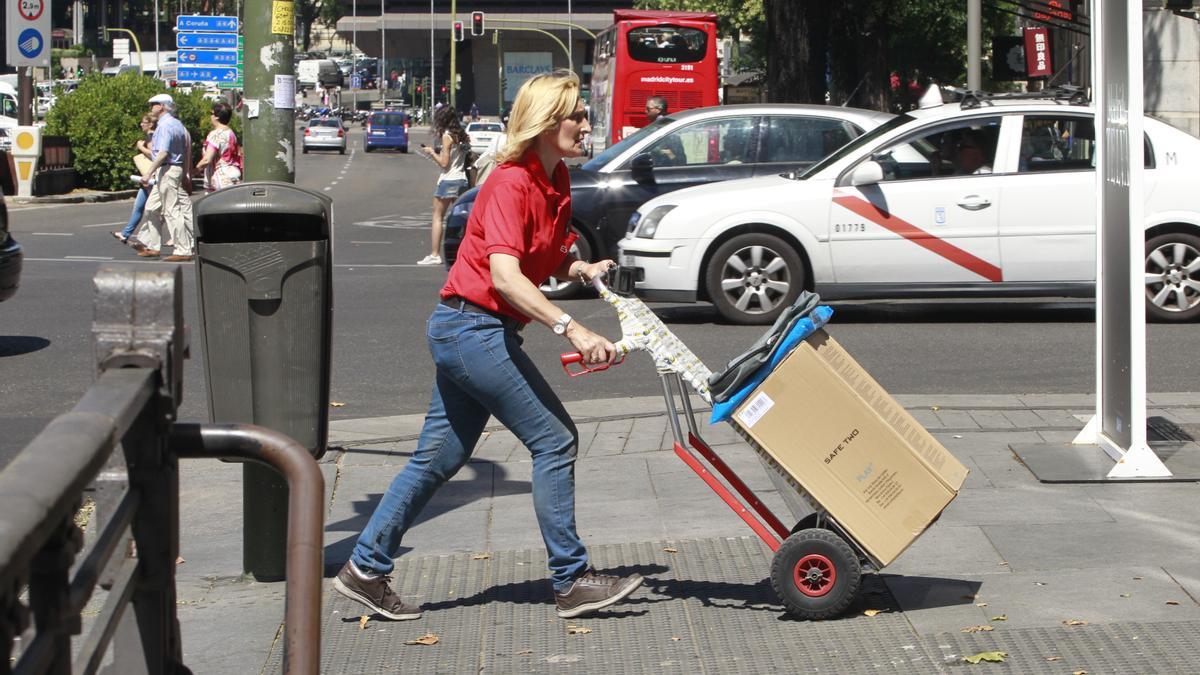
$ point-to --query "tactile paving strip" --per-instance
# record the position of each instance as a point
(706, 607)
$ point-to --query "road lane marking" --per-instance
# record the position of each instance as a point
(370, 242)
(87, 257)
(119, 222)
(53, 234)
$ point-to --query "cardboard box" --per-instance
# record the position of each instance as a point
(858, 453)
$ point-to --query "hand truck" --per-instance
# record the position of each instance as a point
(817, 566)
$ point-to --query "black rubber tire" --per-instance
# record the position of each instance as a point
(565, 290)
(404, 149)
(304, 150)
(366, 148)
(774, 248)
(1192, 248)
(828, 547)
(342, 151)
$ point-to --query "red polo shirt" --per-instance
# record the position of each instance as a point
(518, 212)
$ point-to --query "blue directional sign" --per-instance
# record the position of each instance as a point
(206, 74)
(208, 57)
(30, 43)
(206, 40)
(206, 24)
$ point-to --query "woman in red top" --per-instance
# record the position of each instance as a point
(518, 235)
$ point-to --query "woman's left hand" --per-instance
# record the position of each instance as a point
(599, 268)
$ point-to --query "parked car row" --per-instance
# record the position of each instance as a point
(746, 206)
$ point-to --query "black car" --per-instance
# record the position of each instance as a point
(10, 258)
(682, 150)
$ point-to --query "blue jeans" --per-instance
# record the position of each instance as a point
(139, 207)
(482, 371)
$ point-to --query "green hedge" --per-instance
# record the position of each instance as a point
(101, 120)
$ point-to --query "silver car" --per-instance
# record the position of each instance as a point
(325, 133)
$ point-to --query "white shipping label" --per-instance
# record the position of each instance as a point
(755, 409)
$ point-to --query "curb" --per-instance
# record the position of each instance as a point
(89, 198)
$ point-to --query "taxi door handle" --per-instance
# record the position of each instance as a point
(974, 203)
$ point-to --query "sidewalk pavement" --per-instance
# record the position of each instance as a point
(1061, 577)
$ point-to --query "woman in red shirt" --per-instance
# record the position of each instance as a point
(518, 235)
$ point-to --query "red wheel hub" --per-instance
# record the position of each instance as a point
(814, 575)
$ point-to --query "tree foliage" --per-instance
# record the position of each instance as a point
(101, 118)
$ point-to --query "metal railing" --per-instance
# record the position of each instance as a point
(46, 573)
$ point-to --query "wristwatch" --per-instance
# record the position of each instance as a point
(560, 326)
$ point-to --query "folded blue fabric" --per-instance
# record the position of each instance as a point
(803, 328)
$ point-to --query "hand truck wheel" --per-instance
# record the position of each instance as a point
(816, 574)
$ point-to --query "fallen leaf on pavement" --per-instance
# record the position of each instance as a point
(957, 435)
(362, 621)
(977, 629)
(1080, 672)
(670, 549)
(1005, 564)
(336, 404)
(873, 612)
(675, 639)
(524, 652)
(935, 407)
(981, 604)
(1039, 583)
(1172, 602)
(1137, 578)
(1002, 617)
(1126, 595)
(1074, 622)
(996, 657)
(1053, 658)
(572, 629)
(179, 560)
(481, 556)
(426, 639)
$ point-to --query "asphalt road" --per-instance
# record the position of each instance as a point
(381, 365)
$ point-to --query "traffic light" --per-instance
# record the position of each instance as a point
(476, 24)
(458, 31)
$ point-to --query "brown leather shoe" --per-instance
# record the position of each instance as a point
(374, 592)
(148, 253)
(592, 592)
(178, 258)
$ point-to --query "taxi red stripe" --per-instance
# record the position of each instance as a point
(920, 237)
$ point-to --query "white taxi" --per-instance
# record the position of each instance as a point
(953, 201)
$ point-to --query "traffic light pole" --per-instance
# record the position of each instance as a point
(269, 147)
(453, 53)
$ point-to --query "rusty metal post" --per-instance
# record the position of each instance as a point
(305, 522)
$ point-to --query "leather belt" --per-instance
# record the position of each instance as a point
(464, 305)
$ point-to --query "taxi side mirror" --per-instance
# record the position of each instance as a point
(866, 173)
(642, 168)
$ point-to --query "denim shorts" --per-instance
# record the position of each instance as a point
(450, 189)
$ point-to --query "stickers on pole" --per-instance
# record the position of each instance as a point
(283, 17)
(285, 92)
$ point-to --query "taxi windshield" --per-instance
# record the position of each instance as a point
(851, 147)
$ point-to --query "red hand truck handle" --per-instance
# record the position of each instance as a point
(575, 357)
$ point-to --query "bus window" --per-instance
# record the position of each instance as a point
(667, 44)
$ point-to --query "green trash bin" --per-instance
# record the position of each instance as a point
(265, 286)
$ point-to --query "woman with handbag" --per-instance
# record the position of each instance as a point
(222, 160)
(142, 161)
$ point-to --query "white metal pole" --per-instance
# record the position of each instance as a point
(382, 79)
(142, 66)
(353, 55)
(429, 97)
(570, 41)
(974, 39)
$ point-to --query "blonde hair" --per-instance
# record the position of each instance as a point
(542, 103)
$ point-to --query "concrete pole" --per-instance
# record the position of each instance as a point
(974, 40)
(269, 146)
(383, 72)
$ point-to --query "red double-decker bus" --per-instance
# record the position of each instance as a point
(651, 53)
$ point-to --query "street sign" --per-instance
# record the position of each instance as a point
(206, 24)
(209, 57)
(356, 81)
(207, 74)
(28, 35)
(206, 41)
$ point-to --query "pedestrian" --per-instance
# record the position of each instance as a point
(518, 234)
(222, 156)
(656, 106)
(451, 156)
(474, 112)
(168, 204)
(141, 160)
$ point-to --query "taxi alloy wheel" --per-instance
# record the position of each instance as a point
(816, 574)
(556, 289)
(753, 277)
(1173, 277)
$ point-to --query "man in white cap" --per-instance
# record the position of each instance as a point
(168, 202)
